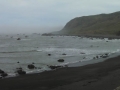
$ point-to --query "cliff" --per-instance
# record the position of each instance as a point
(102, 24)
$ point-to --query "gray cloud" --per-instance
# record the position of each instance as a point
(50, 13)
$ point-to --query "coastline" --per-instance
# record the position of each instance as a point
(93, 61)
(101, 76)
(88, 35)
(69, 57)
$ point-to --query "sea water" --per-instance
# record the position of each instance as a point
(35, 49)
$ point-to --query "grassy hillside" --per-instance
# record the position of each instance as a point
(102, 24)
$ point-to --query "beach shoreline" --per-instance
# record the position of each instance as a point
(101, 76)
(93, 61)
(88, 35)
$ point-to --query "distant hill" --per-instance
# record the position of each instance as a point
(102, 24)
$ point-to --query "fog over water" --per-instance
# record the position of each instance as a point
(27, 29)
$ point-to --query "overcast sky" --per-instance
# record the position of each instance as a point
(39, 15)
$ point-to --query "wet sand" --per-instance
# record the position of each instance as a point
(100, 76)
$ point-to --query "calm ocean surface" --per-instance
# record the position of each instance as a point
(35, 49)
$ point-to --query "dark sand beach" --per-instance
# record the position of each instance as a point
(100, 76)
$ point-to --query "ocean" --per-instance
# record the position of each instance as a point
(34, 49)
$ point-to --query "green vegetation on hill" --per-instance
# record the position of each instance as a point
(102, 24)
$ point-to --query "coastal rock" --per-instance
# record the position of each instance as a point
(49, 54)
(64, 54)
(19, 68)
(54, 67)
(4, 74)
(82, 53)
(18, 38)
(61, 60)
(1, 71)
(104, 56)
(33, 63)
(31, 66)
(97, 57)
(21, 72)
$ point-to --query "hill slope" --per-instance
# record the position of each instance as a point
(105, 24)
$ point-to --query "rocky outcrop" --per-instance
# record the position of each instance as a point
(31, 66)
(49, 54)
(20, 71)
(18, 38)
(64, 54)
(54, 67)
(61, 60)
(3, 74)
(1, 71)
